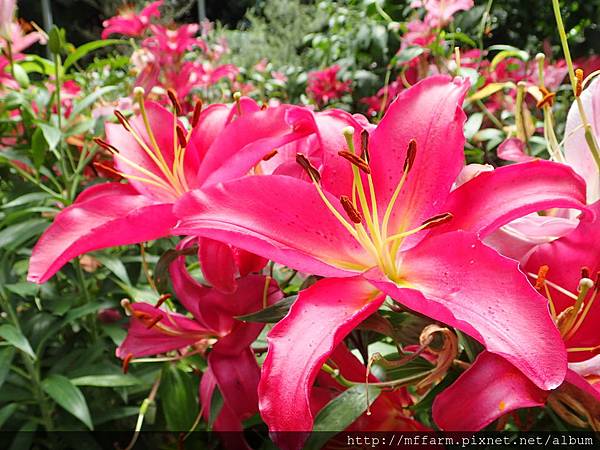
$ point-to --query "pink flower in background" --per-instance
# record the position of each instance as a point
(420, 245)
(323, 85)
(7, 14)
(441, 12)
(21, 37)
(128, 22)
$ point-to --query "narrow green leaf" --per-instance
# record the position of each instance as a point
(16, 338)
(216, 403)
(84, 49)
(178, 393)
(115, 265)
(27, 198)
(12, 237)
(6, 356)
(67, 395)
(339, 413)
(111, 380)
(6, 412)
(161, 270)
(270, 314)
(89, 100)
(51, 134)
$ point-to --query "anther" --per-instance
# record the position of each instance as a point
(354, 215)
(153, 322)
(579, 84)
(358, 162)
(313, 173)
(123, 120)
(105, 145)
(196, 115)
(175, 101)
(437, 220)
(126, 362)
(181, 137)
(364, 145)
(269, 155)
(547, 100)
(597, 283)
(411, 153)
(263, 106)
(541, 278)
(163, 298)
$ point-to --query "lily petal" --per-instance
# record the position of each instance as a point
(299, 345)
(429, 112)
(218, 264)
(565, 258)
(244, 213)
(456, 279)
(492, 199)
(103, 216)
(143, 340)
(490, 388)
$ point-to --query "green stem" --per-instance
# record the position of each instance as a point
(86, 296)
(11, 61)
(589, 135)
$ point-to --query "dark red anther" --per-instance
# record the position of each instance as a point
(123, 120)
(597, 283)
(263, 106)
(196, 115)
(181, 136)
(174, 101)
(364, 145)
(126, 362)
(105, 145)
(153, 322)
(269, 155)
(354, 215)
(541, 278)
(163, 298)
(312, 172)
(411, 154)
(355, 160)
(437, 220)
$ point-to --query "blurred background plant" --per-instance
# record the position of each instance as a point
(57, 363)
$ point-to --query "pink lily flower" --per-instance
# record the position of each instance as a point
(389, 224)
(232, 366)
(559, 266)
(162, 160)
(21, 37)
(130, 23)
(440, 12)
(577, 152)
(7, 13)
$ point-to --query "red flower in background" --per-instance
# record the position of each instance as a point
(324, 86)
(128, 22)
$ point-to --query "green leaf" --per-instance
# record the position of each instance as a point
(514, 53)
(216, 403)
(39, 147)
(12, 237)
(115, 265)
(89, 100)
(161, 270)
(16, 338)
(270, 314)
(339, 413)
(83, 50)
(6, 356)
(114, 380)
(473, 124)
(27, 198)
(67, 395)
(6, 412)
(51, 134)
(408, 54)
(21, 76)
(178, 393)
(24, 437)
